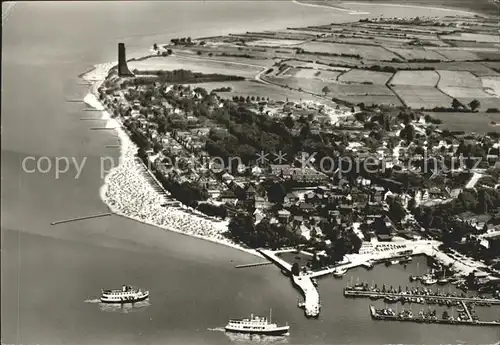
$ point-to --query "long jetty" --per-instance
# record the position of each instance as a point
(254, 264)
(303, 282)
(368, 294)
(378, 316)
(80, 218)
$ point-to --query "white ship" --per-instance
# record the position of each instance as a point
(256, 325)
(127, 294)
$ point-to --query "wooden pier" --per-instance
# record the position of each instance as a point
(376, 316)
(254, 264)
(375, 294)
(80, 218)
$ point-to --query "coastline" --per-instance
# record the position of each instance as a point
(457, 10)
(140, 201)
(446, 9)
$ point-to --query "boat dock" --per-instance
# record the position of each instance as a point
(254, 264)
(386, 317)
(303, 282)
(467, 311)
(379, 294)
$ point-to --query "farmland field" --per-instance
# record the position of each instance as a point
(360, 76)
(304, 64)
(412, 54)
(252, 88)
(366, 52)
(426, 97)
(416, 78)
(485, 102)
(372, 99)
(475, 122)
(275, 42)
(491, 55)
(314, 73)
(354, 93)
(472, 37)
(306, 84)
(458, 55)
(491, 85)
(196, 65)
(464, 92)
(305, 73)
(458, 79)
(359, 90)
(328, 75)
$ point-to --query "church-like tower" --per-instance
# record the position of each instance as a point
(123, 70)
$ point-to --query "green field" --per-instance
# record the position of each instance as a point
(415, 78)
(365, 52)
(468, 122)
(196, 65)
(362, 76)
(426, 97)
(252, 88)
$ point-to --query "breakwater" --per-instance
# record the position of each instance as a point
(303, 282)
(80, 218)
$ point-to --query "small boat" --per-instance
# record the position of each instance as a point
(443, 281)
(340, 272)
(127, 294)
(368, 265)
(429, 281)
(390, 299)
(256, 325)
(405, 260)
(394, 262)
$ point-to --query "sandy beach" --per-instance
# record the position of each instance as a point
(128, 192)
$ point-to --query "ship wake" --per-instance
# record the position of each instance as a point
(217, 329)
(255, 338)
(92, 300)
(124, 308)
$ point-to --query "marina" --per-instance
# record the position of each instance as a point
(416, 295)
(387, 314)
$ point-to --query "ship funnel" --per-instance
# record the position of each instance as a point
(124, 288)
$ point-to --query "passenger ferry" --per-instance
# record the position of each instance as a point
(128, 294)
(256, 325)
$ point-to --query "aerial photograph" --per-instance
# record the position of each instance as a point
(239, 172)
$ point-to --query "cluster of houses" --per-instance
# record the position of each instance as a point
(359, 206)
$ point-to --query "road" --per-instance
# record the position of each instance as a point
(473, 180)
